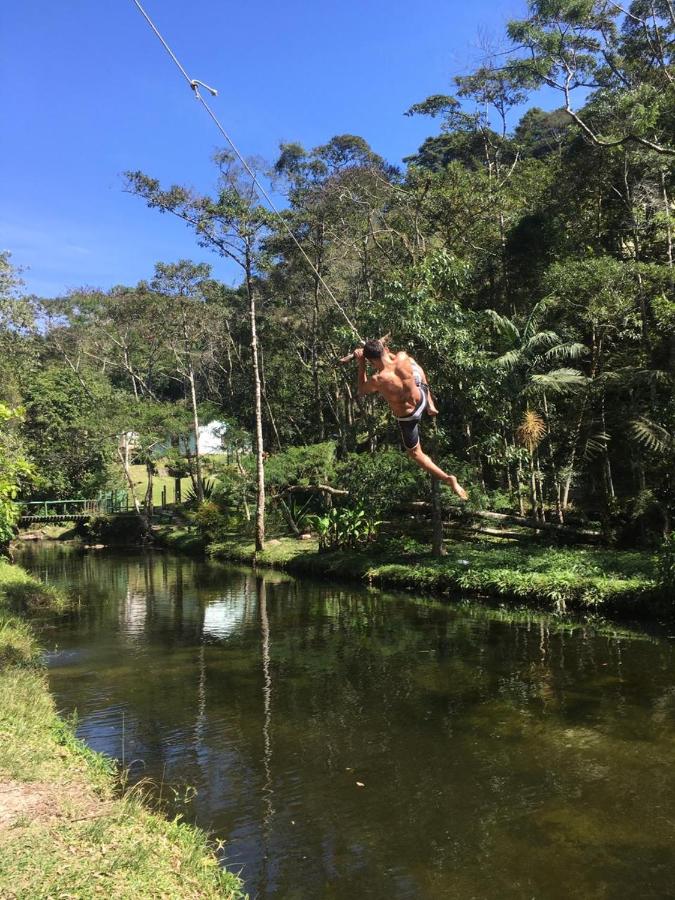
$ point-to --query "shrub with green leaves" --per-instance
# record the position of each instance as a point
(307, 465)
(14, 469)
(379, 481)
(211, 520)
(208, 490)
(232, 489)
(125, 529)
(342, 528)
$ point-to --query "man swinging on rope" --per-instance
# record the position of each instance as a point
(403, 384)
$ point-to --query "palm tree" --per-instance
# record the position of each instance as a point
(530, 359)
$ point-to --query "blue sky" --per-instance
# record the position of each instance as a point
(88, 92)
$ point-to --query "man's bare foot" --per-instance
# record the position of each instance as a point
(457, 487)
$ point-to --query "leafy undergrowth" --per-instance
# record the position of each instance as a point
(64, 829)
(181, 538)
(558, 579)
(65, 531)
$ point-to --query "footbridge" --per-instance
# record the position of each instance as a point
(54, 512)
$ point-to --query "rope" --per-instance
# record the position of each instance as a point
(194, 86)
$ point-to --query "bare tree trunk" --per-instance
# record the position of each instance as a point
(554, 470)
(123, 453)
(288, 515)
(195, 425)
(259, 448)
(131, 374)
(533, 489)
(193, 401)
(520, 481)
(540, 489)
(315, 340)
(596, 349)
(242, 471)
(149, 468)
(607, 465)
(667, 213)
(437, 546)
(264, 397)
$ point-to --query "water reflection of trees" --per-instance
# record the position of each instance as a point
(478, 738)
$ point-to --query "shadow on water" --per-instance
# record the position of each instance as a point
(347, 743)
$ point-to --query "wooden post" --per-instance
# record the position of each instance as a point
(163, 496)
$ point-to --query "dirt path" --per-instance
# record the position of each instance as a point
(22, 803)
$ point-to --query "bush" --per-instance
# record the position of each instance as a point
(344, 528)
(231, 489)
(379, 481)
(311, 464)
(122, 529)
(211, 520)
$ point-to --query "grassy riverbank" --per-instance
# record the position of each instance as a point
(64, 829)
(557, 579)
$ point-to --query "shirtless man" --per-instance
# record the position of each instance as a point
(403, 384)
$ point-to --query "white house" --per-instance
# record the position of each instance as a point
(210, 441)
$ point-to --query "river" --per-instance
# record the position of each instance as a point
(347, 743)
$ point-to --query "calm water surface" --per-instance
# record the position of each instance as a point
(350, 744)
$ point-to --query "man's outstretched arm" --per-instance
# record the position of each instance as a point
(365, 385)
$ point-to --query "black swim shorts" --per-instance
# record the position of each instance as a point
(410, 425)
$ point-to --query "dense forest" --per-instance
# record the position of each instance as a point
(528, 268)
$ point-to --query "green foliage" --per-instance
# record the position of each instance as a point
(69, 434)
(304, 465)
(559, 580)
(23, 593)
(211, 520)
(379, 481)
(124, 530)
(15, 472)
(343, 528)
(208, 488)
(529, 271)
(176, 464)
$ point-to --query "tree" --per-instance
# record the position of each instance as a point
(148, 425)
(184, 283)
(624, 56)
(68, 433)
(15, 472)
(232, 223)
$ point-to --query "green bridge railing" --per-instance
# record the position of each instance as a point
(106, 504)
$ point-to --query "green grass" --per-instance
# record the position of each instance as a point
(159, 481)
(20, 592)
(557, 579)
(72, 832)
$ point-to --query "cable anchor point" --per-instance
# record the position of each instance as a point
(195, 84)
